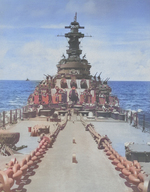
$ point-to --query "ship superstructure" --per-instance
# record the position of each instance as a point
(73, 84)
(74, 65)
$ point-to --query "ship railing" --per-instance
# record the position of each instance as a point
(12, 116)
(137, 119)
(144, 122)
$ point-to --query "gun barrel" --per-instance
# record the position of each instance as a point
(95, 74)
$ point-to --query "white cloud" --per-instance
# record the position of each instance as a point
(128, 64)
(3, 50)
(88, 7)
(120, 55)
(37, 13)
(36, 58)
(58, 26)
(32, 49)
(6, 27)
(32, 60)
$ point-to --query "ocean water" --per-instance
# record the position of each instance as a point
(14, 94)
(132, 95)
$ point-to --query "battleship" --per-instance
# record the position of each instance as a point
(66, 151)
(73, 86)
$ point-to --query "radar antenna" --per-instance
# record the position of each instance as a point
(75, 17)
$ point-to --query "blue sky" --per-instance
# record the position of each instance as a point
(119, 46)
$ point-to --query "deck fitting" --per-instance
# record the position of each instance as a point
(74, 160)
(74, 141)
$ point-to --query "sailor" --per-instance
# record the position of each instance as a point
(103, 107)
